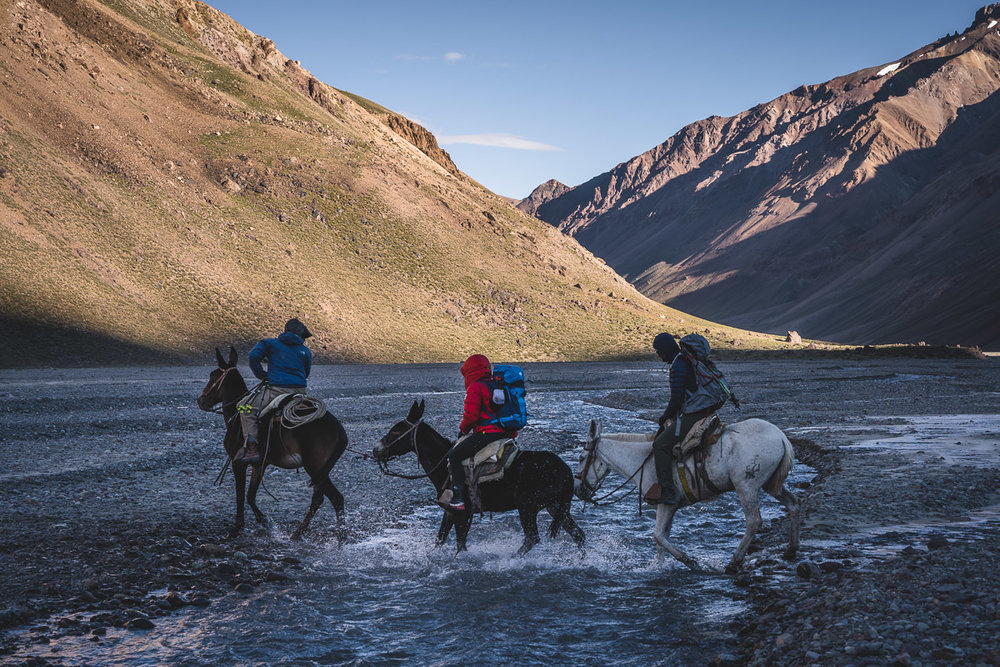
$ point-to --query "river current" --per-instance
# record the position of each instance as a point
(389, 596)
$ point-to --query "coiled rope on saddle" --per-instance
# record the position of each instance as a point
(302, 410)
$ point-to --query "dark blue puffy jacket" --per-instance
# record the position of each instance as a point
(288, 360)
(682, 380)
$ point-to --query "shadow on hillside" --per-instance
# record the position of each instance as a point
(31, 345)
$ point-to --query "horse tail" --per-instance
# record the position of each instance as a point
(777, 480)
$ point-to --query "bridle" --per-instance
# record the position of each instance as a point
(412, 432)
(217, 385)
(581, 475)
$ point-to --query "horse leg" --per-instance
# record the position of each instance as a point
(321, 489)
(447, 521)
(661, 531)
(561, 518)
(794, 507)
(317, 500)
(336, 499)
(750, 500)
(529, 524)
(256, 475)
(462, 524)
(240, 475)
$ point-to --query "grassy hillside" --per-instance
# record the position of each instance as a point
(169, 181)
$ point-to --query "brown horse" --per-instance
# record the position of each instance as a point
(315, 446)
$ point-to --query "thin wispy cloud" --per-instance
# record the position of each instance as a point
(450, 57)
(498, 140)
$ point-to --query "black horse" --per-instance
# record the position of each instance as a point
(315, 446)
(535, 480)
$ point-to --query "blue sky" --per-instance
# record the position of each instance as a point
(521, 92)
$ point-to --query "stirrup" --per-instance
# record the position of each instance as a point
(451, 500)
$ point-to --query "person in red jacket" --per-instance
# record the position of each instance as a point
(477, 418)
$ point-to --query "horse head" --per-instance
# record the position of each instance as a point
(400, 438)
(590, 469)
(213, 393)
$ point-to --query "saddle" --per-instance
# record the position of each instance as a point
(274, 408)
(704, 433)
(487, 465)
(293, 410)
(694, 479)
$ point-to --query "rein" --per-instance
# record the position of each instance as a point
(412, 432)
(218, 385)
(591, 456)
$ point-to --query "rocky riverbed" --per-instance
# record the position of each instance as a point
(109, 522)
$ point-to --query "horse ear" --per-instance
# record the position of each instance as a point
(232, 355)
(415, 412)
(421, 407)
(595, 431)
(218, 358)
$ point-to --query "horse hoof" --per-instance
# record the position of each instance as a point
(732, 568)
(296, 536)
(789, 555)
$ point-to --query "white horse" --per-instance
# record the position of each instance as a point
(751, 455)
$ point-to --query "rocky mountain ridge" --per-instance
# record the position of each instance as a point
(860, 209)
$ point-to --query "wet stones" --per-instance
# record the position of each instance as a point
(176, 600)
(807, 570)
(139, 623)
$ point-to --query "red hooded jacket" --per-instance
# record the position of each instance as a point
(477, 397)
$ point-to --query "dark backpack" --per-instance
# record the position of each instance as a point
(507, 395)
(712, 391)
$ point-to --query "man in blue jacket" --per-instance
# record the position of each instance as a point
(288, 364)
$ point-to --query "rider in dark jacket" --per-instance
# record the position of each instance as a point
(288, 364)
(673, 424)
(477, 417)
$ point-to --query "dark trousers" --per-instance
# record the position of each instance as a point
(663, 448)
(464, 449)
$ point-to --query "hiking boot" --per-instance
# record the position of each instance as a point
(669, 497)
(249, 453)
(656, 496)
(456, 502)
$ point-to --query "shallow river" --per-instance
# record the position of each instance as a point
(388, 596)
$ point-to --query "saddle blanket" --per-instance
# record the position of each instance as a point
(489, 453)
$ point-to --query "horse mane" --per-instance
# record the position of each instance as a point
(630, 437)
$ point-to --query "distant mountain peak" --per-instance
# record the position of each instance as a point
(545, 192)
(987, 13)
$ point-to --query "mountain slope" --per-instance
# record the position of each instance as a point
(170, 181)
(861, 209)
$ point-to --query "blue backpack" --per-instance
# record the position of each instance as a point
(507, 397)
